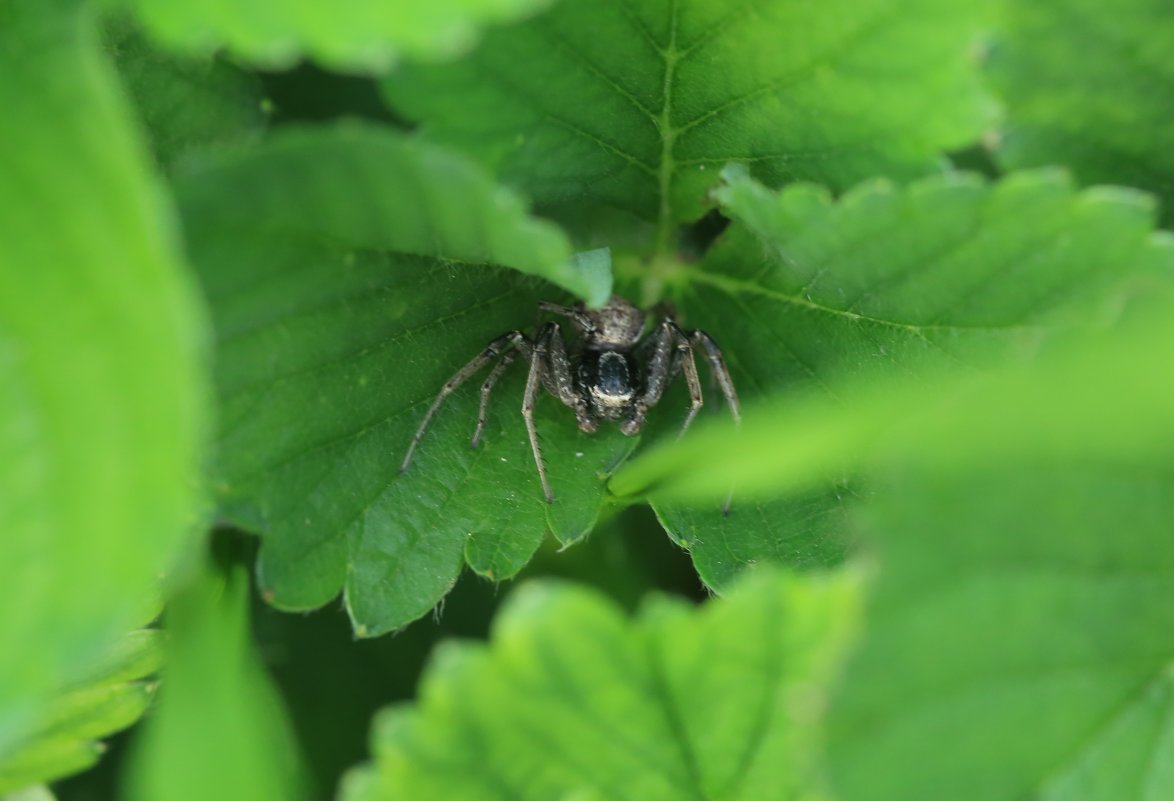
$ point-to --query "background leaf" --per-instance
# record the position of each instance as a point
(183, 102)
(102, 390)
(810, 296)
(637, 104)
(1096, 397)
(1089, 85)
(220, 730)
(332, 342)
(359, 35)
(64, 738)
(1017, 643)
(570, 700)
(422, 200)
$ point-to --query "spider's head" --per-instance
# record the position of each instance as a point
(618, 325)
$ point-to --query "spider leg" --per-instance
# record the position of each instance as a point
(717, 364)
(661, 370)
(689, 366)
(538, 356)
(559, 380)
(505, 342)
(486, 388)
(580, 318)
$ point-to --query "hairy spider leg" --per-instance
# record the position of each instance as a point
(672, 353)
(505, 342)
(559, 380)
(537, 367)
(581, 318)
(658, 375)
(717, 364)
(486, 388)
(689, 366)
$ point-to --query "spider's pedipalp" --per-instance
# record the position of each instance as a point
(582, 319)
(502, 344)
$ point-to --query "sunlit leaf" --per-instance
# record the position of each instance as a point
(814, 297)
(219, 730)
(1093, 398)
(333, 341)
(1018, 640)
(64, 737)
(1089, 85)
(637, 104)
(102, 393)
(358, 35)
(570, 700)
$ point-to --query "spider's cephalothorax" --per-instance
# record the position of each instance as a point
(613, 371)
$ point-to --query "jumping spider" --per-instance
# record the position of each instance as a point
(613, 372)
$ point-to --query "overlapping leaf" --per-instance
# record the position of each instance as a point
(1018, 640)
(102, 392)
(1095, 398)
(332, 341)
(359, 35)
(570, 700)
(1089, 85)
(219, 730)
(183, 102)
(807, 294)
(637, 104)
(65, 737)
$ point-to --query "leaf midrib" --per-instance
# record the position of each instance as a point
(734, 286)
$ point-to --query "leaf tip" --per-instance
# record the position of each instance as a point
(591, 274)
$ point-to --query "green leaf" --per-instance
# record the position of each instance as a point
(183, 102)
(1018, 641)
(102, 391)
(333, 341)
(63, 739)
(219, 730)
(1091, 86)
(637, 104)
(36, 793)
(1096, 397)
(360, 36)
(814, 297)
(420, 200)
(571, 700)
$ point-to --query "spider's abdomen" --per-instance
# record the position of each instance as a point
(609, 383)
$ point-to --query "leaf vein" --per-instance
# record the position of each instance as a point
(869, 28)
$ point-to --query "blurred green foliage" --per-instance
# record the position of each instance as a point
(1088, 85)
(66, 737)
(103, 385)
(219, 730)
(957, 387)
(569, 697)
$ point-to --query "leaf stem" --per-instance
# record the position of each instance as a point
(664, 223)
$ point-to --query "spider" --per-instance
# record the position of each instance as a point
(612, 372)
